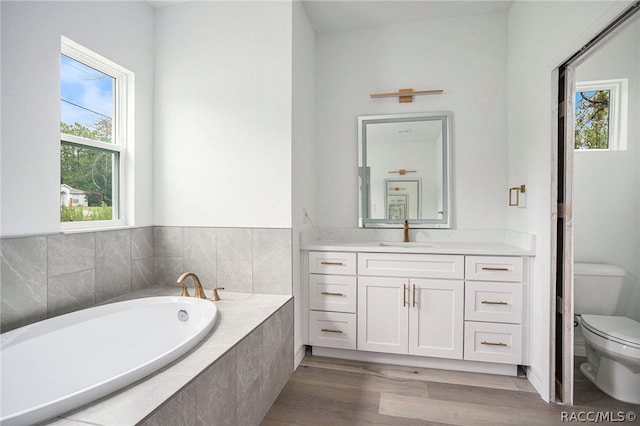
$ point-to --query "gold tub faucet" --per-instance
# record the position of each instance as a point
(199, 289)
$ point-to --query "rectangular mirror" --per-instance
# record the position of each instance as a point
(404, 170)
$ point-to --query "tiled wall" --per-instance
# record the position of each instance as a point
(249, 260)
(240, 387)
(44, 276)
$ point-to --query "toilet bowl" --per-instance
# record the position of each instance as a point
(612, 342)
(613, 355)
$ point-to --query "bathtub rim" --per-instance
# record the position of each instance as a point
(140, 401)
(79, 399)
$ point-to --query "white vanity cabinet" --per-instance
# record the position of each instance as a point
(332, 299)
(399, 313)
(443, 310)
(493, 309)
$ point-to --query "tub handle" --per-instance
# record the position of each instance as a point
(215, 295)
(185, 292)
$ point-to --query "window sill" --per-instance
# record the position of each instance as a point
(97, 228)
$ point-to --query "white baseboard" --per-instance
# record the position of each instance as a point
(298, 356)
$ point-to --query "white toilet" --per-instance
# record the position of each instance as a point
(612, 342)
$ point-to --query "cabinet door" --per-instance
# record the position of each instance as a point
(436, 324)
(382, 314)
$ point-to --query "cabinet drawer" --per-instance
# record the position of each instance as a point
(493, 268)
(327, 262)
(493, 342)
(493, 302)
(332, 330)
(332, 293)
(411, 265)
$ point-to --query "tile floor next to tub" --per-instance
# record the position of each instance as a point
(232, 377)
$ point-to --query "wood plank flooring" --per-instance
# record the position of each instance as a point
(326, 391)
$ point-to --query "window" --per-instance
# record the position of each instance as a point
(601, 115)
(94, 131)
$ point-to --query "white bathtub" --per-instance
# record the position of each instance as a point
(62, 363)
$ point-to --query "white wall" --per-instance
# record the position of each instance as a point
(303, 149)
(465, 56)
(30, 151)
(606, 199)
(223, 114)
(542, 35)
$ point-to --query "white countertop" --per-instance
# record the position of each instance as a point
(425, 247)
(238, 315)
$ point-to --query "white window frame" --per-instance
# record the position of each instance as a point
(122, 136)
(618, 106)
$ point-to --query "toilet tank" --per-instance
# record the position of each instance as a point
(596, 288)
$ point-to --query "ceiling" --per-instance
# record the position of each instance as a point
(328, 16)
(340, 15)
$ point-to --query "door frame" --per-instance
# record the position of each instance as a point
(562, 320)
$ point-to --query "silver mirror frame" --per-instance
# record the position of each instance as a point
(363, 193)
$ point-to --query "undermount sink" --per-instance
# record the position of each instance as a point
(409, 244)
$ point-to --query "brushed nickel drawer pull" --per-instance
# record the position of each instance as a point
(328, 330)
(493, 344)
(489, 268)
(489, 302)
(332, 263)
(329, 293)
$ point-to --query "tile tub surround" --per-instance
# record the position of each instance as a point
(232, 377)
(249, 260)
(48, 275)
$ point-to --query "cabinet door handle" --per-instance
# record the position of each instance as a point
(493, 343)
(329, 330)
(414, 295)
(489, 302)
(490, 268)
(328, 293)
(332, 263)
(404, 295)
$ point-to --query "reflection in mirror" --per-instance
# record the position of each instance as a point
(404, 170)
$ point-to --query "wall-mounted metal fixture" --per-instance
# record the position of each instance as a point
(402, 172)
(406, 95)
(515, 197)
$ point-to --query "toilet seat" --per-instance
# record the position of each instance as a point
(622, 330)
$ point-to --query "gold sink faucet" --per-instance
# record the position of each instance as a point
(199, 289)
(406, 232)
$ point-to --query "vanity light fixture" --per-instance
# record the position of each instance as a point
(402, 172)
(406, 95)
